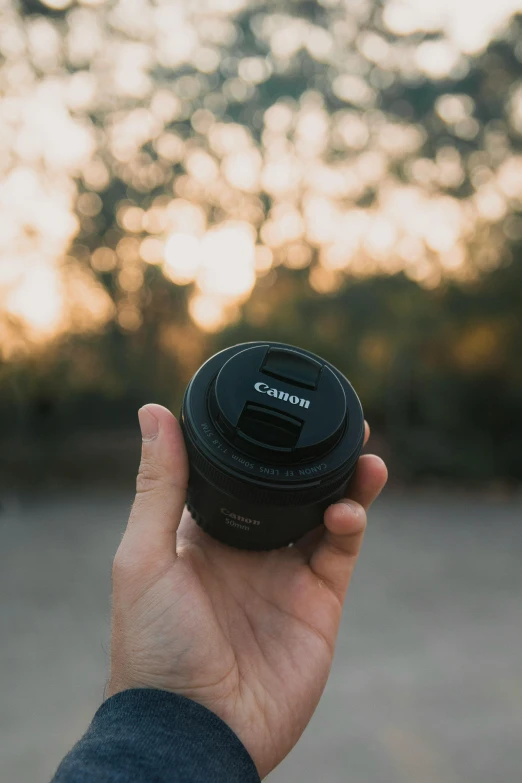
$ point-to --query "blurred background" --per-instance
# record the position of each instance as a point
(177, 176)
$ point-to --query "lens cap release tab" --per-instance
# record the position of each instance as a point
(278, 404)
(293, 367)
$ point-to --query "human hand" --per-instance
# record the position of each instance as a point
(249, 635)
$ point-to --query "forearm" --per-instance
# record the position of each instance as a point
(148, 736)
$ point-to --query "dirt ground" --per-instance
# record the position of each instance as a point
(426, 686)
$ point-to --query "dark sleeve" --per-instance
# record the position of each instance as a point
(149, 736)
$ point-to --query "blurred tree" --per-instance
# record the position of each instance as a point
(365, 186)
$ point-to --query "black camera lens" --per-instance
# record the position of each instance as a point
(273, 434)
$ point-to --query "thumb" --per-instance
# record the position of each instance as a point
(161, 484)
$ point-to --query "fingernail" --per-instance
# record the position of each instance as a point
(354, 507)
(149, 424)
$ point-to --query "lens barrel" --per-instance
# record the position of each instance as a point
(273, 434)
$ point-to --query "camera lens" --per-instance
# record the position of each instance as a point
(273, 434)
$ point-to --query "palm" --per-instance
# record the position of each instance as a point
(249, 635)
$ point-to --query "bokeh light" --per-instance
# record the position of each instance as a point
(219, 143)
